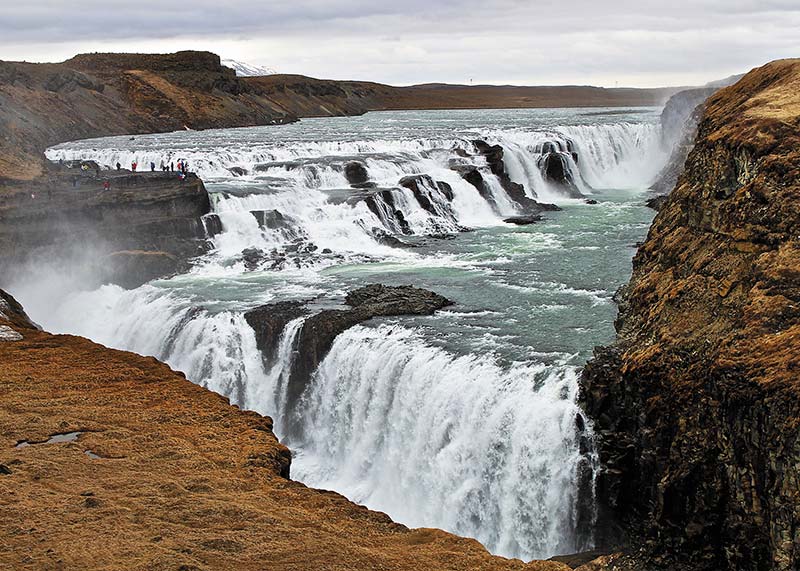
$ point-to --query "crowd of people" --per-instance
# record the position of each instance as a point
(183, 166)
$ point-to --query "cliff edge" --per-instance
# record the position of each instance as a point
(696, 405)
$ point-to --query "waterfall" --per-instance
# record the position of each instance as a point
(435, 435)
(456, 442)
(613, 155)
(434, 439)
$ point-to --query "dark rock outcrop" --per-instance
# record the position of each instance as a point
(516, 192)
(555, 170)
(696, 407)
(524, 220)
(356, 173)
(269, 321)
(493, 154)
(382, 204)
(320, 330)
(271, 219)
(421, 185)
(73, 221)
(238, 171)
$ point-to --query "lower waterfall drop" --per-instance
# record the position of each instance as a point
(456, 442)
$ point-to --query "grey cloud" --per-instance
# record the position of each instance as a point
(409, 41)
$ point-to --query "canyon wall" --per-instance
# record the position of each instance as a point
(696, 404)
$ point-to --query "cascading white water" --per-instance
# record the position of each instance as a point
(453, 442)
(435, 437)
(613, 155)
(300, 179)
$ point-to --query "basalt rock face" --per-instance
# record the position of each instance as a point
(697, 405)
(679, 121)
(153, 221)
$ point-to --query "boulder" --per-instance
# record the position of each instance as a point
(523, 220)
(356, 173)
(253, 257)
(320, 330)
(238, 171)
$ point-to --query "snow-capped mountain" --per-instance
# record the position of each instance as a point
(247, 70)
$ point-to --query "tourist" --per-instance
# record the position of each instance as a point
(119, 166)
(133, 166)
(171, 166)
(106, 185)
(152, 166)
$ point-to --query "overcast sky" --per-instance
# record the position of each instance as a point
(636, 43)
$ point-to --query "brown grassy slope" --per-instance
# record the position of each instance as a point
(185, 481)
(720, 261)
(100, 94)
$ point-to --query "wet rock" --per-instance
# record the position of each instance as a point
(271, 219)
(523, 220)
(320, 330)
(212, 225)
(356, 173)
(269, 321)
(382, 204)
(383, 237)
(238, 171)
(590, 201)
(515, 191)
(556, 171)
(253, 258)
(419, 184)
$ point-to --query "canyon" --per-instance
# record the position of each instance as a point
(694, 406)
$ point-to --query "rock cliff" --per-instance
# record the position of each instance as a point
(144, 225)
(696, 405)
